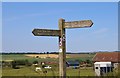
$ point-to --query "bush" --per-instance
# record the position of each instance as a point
(14, 64)
(79, 60)
(20, 62)
(28, 64)
(88, 61)
(43, 66)
(35, 62)
(37, 56)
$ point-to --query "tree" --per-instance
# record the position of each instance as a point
(47, 54)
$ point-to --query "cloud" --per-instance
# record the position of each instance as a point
(101, 31)
(13, 18)
(20, 17)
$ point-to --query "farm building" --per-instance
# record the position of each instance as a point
(102, 68)
(73, 64)
(105, 62)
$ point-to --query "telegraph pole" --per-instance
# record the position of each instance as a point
(62, 49)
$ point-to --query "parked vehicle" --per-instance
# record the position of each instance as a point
(47, 67)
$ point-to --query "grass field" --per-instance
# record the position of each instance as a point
(30, 71)
(23, 57)
(26, 71)
(31, 59)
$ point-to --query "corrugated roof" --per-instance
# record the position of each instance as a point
(107, 57)
(72, 62)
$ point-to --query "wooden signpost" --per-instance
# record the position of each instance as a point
(62, 39)
(46, 32)
(78, 24)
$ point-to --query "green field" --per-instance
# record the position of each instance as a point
(23, 57)
(30, 70)
(31, 59)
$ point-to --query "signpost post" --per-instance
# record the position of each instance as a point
(62, 49)
(62, 39)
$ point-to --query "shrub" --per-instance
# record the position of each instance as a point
(88, 61)
(28, 64)
(43, 66)
(35, 62)
(79, 60)
(21, 62)
(13, 64)
(37, 56)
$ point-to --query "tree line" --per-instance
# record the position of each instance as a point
(46, 53)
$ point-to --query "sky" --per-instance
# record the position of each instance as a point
(20, 18)
(60, 0)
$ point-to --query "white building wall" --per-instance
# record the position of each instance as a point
(97, 70)
(98, 65)
(115, 65)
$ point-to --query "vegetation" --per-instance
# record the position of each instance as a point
(35, 62)
(30, 71)
(22, 66)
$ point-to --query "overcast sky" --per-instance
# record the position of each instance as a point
(20, 18)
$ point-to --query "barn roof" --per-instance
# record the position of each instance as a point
(107, 57)
(73, 62)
